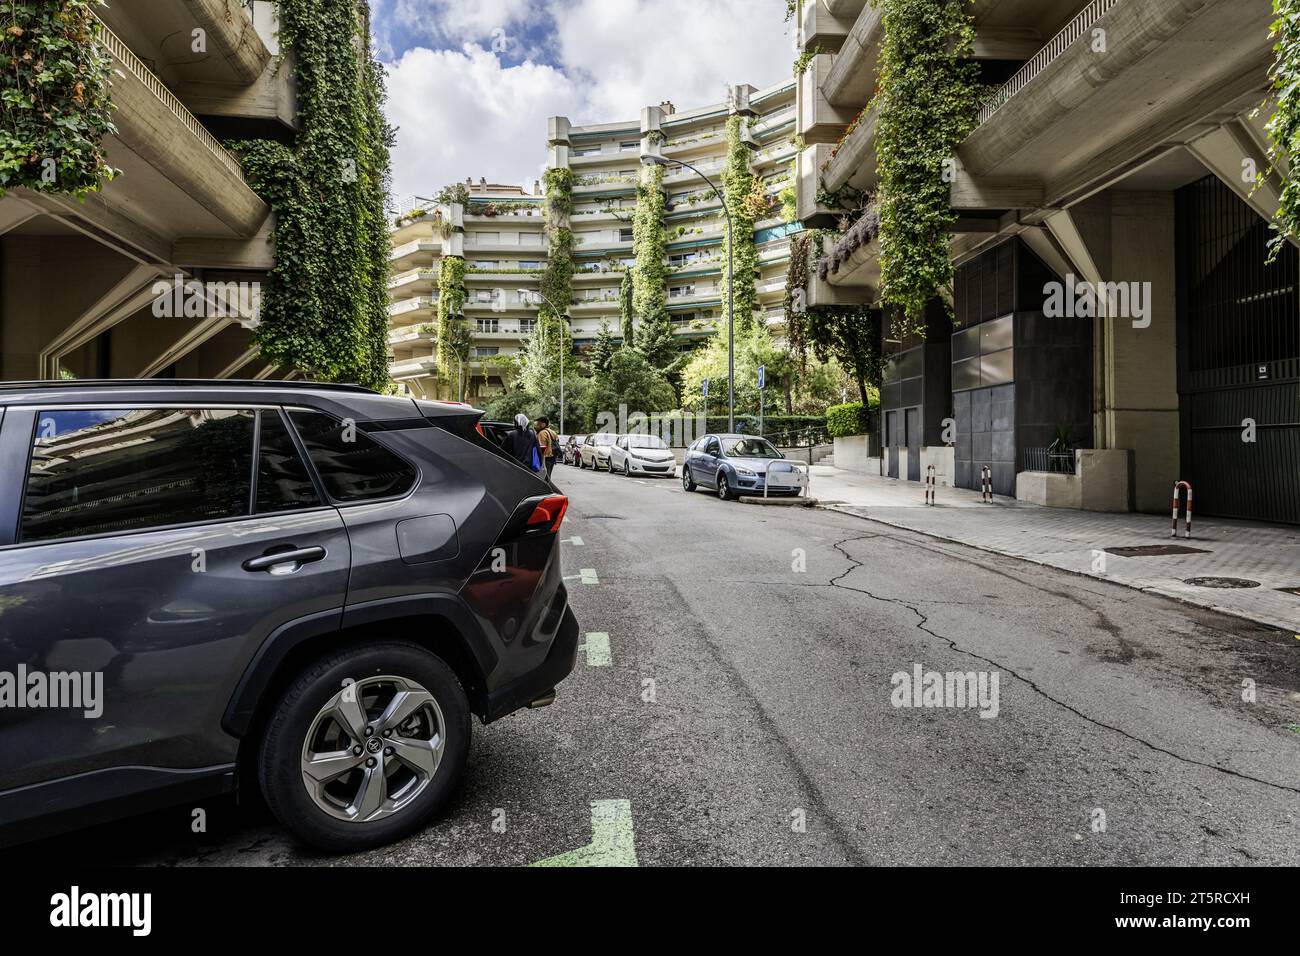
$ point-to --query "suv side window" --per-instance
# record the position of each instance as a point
(283, 483)
(119, 470)
(350, 464)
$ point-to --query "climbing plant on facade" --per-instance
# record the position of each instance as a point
(325, 310)
(1284, 125)
(649, 246)
(925, 102)
(54, 89)
(556, 284)
(626, 311)
(453, 343)
(738, 184)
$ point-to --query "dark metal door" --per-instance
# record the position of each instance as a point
(913, 439)
(891, 442)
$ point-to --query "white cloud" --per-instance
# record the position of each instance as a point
(634, 53)
(464, 112)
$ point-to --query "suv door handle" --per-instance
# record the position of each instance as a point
(277, 559)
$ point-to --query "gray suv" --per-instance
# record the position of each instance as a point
(304, 588)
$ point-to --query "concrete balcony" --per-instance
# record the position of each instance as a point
(408, 368)
(850, 80)
(853, 163)
(409, 335)
(504, 278)
(532, 216)
(820, 121)
(177, 178)
(473, 246)
(415, 282)
(598, 306)
(409, 255)
(823, 29)
(415, 309)
(606, 185)
(1073, 119)
(162, 30)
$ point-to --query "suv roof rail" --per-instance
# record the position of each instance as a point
(187, 382)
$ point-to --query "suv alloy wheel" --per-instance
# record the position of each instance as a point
(365, 745)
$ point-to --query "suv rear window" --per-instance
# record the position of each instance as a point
(350, 464)
(104, 471)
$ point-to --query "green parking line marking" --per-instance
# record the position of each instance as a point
(575, 540)
(597, 648)
(613, 842)
(584, 576)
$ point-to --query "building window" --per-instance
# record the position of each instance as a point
(678, 291)
(629, 146)
(526, 326)
(486, 351)
(487, 325)
(625, 235)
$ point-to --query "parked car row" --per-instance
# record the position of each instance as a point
(728, 465)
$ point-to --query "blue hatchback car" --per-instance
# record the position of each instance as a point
(735, 465)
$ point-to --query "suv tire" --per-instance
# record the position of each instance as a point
(412, 791)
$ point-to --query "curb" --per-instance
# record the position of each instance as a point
(1240, 615)
(780, 502)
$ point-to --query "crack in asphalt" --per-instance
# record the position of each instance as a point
(1109, 626)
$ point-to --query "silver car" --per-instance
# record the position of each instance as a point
(593, 453)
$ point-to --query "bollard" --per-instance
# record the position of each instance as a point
(986, 485)
(1187, 528)
(929, 485)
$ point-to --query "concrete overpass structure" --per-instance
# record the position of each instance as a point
(78, 281)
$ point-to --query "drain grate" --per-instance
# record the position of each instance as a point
(1221, 583)
(1154, 550)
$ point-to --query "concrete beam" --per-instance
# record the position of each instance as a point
(14, 212)
(202, 252)
(244, 358)
(1231, 153)
(273, 96)
(187, 343)
(125, 298)
(97, 219)
(969, 192)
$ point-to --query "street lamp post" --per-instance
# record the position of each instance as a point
(653, 159)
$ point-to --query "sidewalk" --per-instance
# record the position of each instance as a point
(1067, 539)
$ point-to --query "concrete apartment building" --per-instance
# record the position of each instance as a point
(78, 280)
(1121, 148)
(501, 234)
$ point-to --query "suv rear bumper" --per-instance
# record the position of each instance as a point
(558, 665)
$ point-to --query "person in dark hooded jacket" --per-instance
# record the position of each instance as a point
(521, 442)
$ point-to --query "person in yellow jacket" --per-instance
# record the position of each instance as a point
(549, 442)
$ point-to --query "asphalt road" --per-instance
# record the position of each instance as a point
(745, 713)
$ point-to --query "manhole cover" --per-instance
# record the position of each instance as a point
(1154, 550)
(1221, 583)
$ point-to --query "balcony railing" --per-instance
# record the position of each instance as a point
(1071, 32)
(136, 68)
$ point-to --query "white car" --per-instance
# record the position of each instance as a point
(593, 453)
(642, 455)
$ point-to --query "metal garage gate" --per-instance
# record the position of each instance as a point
(1238, 358)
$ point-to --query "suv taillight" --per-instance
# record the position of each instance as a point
(549, 513)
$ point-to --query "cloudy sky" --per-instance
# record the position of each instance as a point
(472, 82)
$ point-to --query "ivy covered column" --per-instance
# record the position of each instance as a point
(452, 328)
(738, 182)
(926, 105)
(325, 310)
(557, 280)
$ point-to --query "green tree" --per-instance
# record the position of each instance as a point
(603, 350)
(852, 336)
(632, 381)
(650, 246)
